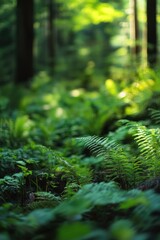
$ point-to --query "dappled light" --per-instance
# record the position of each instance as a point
(77, 92)
(95, 14)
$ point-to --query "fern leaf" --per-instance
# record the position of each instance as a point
(117, 163)
(97, 145)
(155, 115)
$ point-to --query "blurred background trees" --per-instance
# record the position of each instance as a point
(75, 39)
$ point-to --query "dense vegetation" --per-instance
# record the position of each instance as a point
(79, 143)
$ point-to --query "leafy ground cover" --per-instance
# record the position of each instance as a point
(81, 163)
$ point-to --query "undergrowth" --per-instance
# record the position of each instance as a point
(78, 164)
(128, 166)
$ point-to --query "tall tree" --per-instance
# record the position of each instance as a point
(151, 32)
(51, 50)
(134, 28)
(24, 41)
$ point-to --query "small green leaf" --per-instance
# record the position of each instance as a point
(73, 231)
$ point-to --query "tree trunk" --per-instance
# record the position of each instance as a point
(51, 34)
(151, 32)
(134, 29)
(24, 41)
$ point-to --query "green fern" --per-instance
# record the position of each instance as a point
(155, 115)
(129, 167)
(42, 200)
(97, 145)
(15, 132)
(39, 196)
(148, 142)
(117, 162)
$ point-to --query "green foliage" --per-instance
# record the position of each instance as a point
(147, 140)
(56, 190)
(54, 187)
(51, 187)
(35, 168)
(15, 132)
(92, 12)
(126, 165)
(73, 231)
(130, 214)
(116, 162)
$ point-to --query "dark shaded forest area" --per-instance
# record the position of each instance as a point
(79, 120)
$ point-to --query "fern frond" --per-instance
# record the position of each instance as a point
(117, 162)
(148, 141)
(97, 145)
(155, 115)
(39, 196)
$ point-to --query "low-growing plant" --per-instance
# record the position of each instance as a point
(125, 165)
(97, 211)
(35, 168)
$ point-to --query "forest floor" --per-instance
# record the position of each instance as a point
(80, 163)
